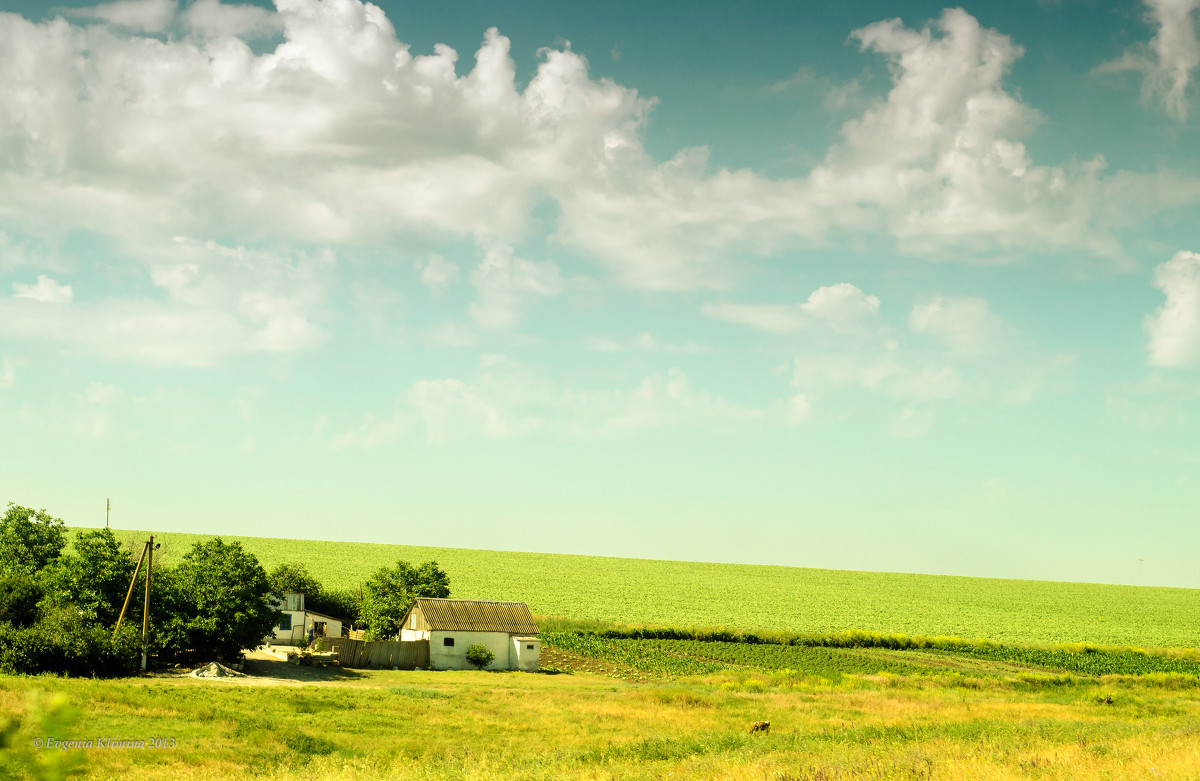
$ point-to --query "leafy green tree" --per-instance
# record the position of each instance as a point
(95, 578)
(340, 603)
(29, 539)
(479, 655)
(225, 600)
(288, 577)
(19, 598)
(389, 593)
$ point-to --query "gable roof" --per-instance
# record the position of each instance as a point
(476, 615)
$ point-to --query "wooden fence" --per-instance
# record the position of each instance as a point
(383, 654)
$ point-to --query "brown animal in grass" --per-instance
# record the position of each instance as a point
(760, 726)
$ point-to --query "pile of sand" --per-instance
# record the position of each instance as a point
(216, 670)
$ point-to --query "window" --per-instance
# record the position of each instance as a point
(448, 642)
(285, 623)
(412, 622)
(530, 647)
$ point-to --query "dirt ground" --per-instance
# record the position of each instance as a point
(263, 669)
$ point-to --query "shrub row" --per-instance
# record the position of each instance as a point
(71, 649)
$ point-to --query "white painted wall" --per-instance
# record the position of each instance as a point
(303, 619)
(443, 658)
(524, 653)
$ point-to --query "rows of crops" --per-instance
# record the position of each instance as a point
(670, 658)
(762, 597)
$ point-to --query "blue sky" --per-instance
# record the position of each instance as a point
(886, 286)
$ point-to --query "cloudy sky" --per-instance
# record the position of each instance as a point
(882, 285)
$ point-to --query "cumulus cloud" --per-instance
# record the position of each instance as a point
(214, 19)
(341, 135)
(644, 342)
(505, 283)
(437, 273)
(219, 301)
(1174, 329)
(45, 290)
(966, 325)
(1167, 64)
(840, 307)
(142, 16)
(507, 399)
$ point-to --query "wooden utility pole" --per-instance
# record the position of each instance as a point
(132, 582)
(107, 510)
(146, 606)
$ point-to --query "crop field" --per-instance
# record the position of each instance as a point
(643, 591)
(646, 659)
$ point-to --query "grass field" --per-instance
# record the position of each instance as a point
(621, 701)
(985, 722)
(762, 597)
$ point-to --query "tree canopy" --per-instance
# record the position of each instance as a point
(226, 600)
(29, 539)
(389, 593)
(95, 577)
(290, 577)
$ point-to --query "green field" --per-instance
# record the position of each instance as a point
(750, 597)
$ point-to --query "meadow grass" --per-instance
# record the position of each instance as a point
(760, 598)
(474, 725)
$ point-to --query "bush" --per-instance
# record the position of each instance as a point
(19, 597)
(480, 655)
(62, 643)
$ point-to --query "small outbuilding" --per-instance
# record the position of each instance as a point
(453, 625)
(296, 621)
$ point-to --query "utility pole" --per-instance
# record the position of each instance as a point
(107, 510)
(146, 606)
(132, 583)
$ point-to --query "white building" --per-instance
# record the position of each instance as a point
(293, 627)
(453, 625)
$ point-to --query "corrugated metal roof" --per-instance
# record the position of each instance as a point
(476, 615)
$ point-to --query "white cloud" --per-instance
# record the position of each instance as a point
(45, 290)
(8, 374)
(508, 399)
(220, 301)
(141, 16)
(342, 135)
(437, 273)
(841, 308)
(215, 19)
(1168, 63)
(505, 283)
(372, 432)
(966, 325)
(1174, 328)
(644, 342)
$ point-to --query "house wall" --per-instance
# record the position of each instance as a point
(443, 658)
(303, 620)
(286, 635)
(524, 653)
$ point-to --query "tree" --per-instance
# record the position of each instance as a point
(289, 577)
(29, 539)
(95, 578)
(226, 605)
(19, 598)
(479, 655)
(389, 593)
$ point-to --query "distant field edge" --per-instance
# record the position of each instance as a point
(755, 599)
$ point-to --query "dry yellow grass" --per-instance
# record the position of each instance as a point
(471, 725)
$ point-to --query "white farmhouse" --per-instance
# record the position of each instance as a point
(296, 621)
(453, 625)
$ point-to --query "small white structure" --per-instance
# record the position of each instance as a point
(453, 625)
(293, 627)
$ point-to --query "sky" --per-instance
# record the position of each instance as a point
(865, 285)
